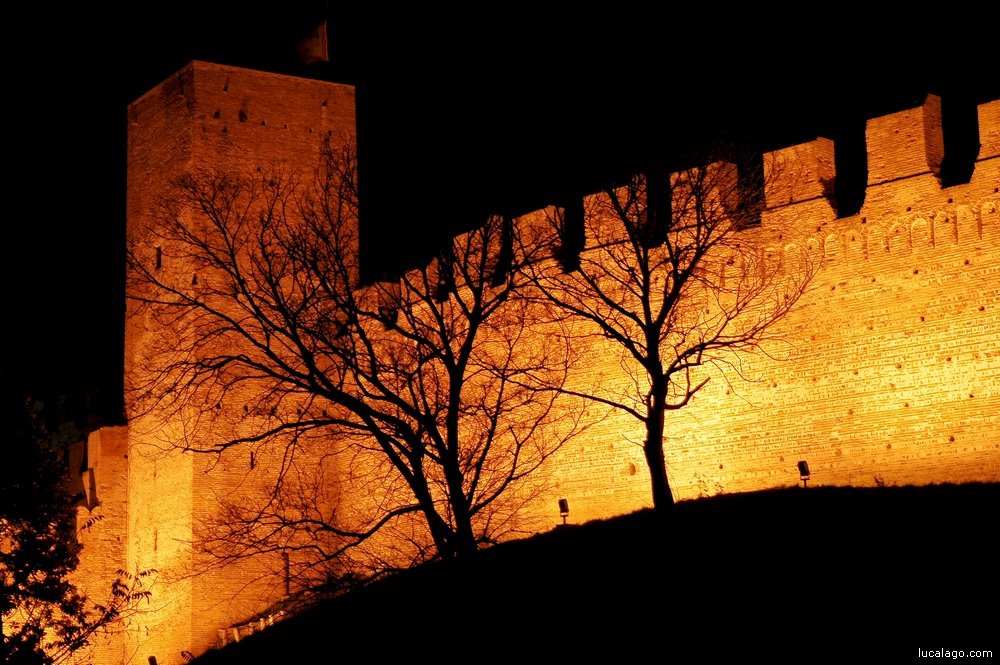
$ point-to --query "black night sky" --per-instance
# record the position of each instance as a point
(460, 114)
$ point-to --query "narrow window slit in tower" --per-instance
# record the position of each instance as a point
(159, 258)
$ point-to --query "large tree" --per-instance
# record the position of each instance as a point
(675, 271)
(418, 396)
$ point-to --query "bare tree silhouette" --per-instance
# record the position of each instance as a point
(423, 396)
(678, 274)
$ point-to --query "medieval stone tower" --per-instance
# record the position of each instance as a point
(894, 377)
(213, 118)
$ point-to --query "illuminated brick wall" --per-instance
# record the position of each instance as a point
(895, 374)
(102, 522)
(222, 119)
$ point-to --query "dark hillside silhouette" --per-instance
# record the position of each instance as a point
(784, 575)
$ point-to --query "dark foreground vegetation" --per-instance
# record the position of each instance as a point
(791, 575)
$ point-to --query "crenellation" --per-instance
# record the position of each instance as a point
(799, 173)
(905, 144)
(989, 130)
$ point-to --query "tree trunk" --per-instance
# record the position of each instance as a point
(441, 532)
(663, 498)
(463, 536)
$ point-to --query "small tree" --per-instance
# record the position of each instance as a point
(422, 389)
(43, 616)
(678, 274)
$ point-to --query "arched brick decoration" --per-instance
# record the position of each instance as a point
(967, 224)
(989, 221)
(945, 229)
(831, 248)
(899, 239)
(920, 232)
(854, 244)
(876, 243)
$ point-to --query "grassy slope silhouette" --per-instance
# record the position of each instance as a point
(781, 575)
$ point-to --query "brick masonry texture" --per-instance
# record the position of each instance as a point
(890, 373)
(892, 369)
(205, 118)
